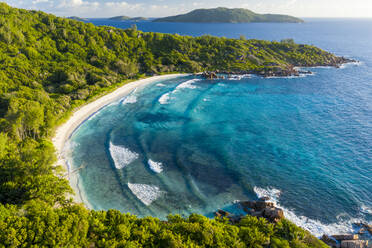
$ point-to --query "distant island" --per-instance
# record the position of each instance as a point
(76, 18)
(50, 66)
(127, 18)
(225, 15)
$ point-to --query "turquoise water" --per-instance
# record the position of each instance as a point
(191, 145)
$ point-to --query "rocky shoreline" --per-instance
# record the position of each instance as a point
(278, 71)
(345, 241)
(263, 208)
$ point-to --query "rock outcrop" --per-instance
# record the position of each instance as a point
(222, 213)
(368, 228)
(346, 237)
(345, 241)
(263, 209)
(354, 244)
(275, 70)
(210, 75)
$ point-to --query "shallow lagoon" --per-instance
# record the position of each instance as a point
(188, 145)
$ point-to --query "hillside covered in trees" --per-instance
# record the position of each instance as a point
(48, 67)
(225, 15)
(127, 18)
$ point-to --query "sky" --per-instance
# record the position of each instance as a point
(159, 8)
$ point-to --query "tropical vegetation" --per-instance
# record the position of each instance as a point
(127, 18)
(226, 15)
(48, 67)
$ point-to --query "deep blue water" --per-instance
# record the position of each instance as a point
(306, 142)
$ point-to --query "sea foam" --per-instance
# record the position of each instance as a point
(145, 193)
(129, 99)
(356, 63)
(187, 85)
(156, 167)
(366, 210)
(316, 227)
(164, 99)
(301, 75)
(239, 77)
(122, 156)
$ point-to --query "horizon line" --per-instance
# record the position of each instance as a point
(313, 17)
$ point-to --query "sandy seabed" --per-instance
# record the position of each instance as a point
(64, 132)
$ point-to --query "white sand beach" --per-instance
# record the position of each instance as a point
(64, 131)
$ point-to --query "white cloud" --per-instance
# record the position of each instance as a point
(39, 1)
(67, 4)
(156, 8)
(85, 8)
(122, 6)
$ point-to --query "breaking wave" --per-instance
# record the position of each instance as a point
(187, 85)
(316, 227)
(92, 116)
(129, 99)
(301, 75)
(164, 99)
(145, 193)
(357, 63)
(156, 167)
(121, 156)
(366, 210)
(239, 77)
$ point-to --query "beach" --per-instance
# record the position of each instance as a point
(64, 131)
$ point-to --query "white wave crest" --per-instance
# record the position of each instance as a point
(239, 77)
(187, 85)
(122, 156)
(316, 227)
(301, 75)
(272, 193)
(156, 167)
(129, 99)
(366, 210)
(164, 99)
(160, 85)
(146, 193)
(357, 63)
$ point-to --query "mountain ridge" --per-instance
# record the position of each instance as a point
(127, 18)
(49, 67)
(76, 18)
(226, 15)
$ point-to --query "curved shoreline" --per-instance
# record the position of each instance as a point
(64, 131)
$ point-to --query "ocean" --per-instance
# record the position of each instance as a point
(189, 145)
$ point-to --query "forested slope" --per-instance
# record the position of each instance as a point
(48, 67)
(226, 15)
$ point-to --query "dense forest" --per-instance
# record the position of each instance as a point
(127, 18)
(48, 67)
(226, 15)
